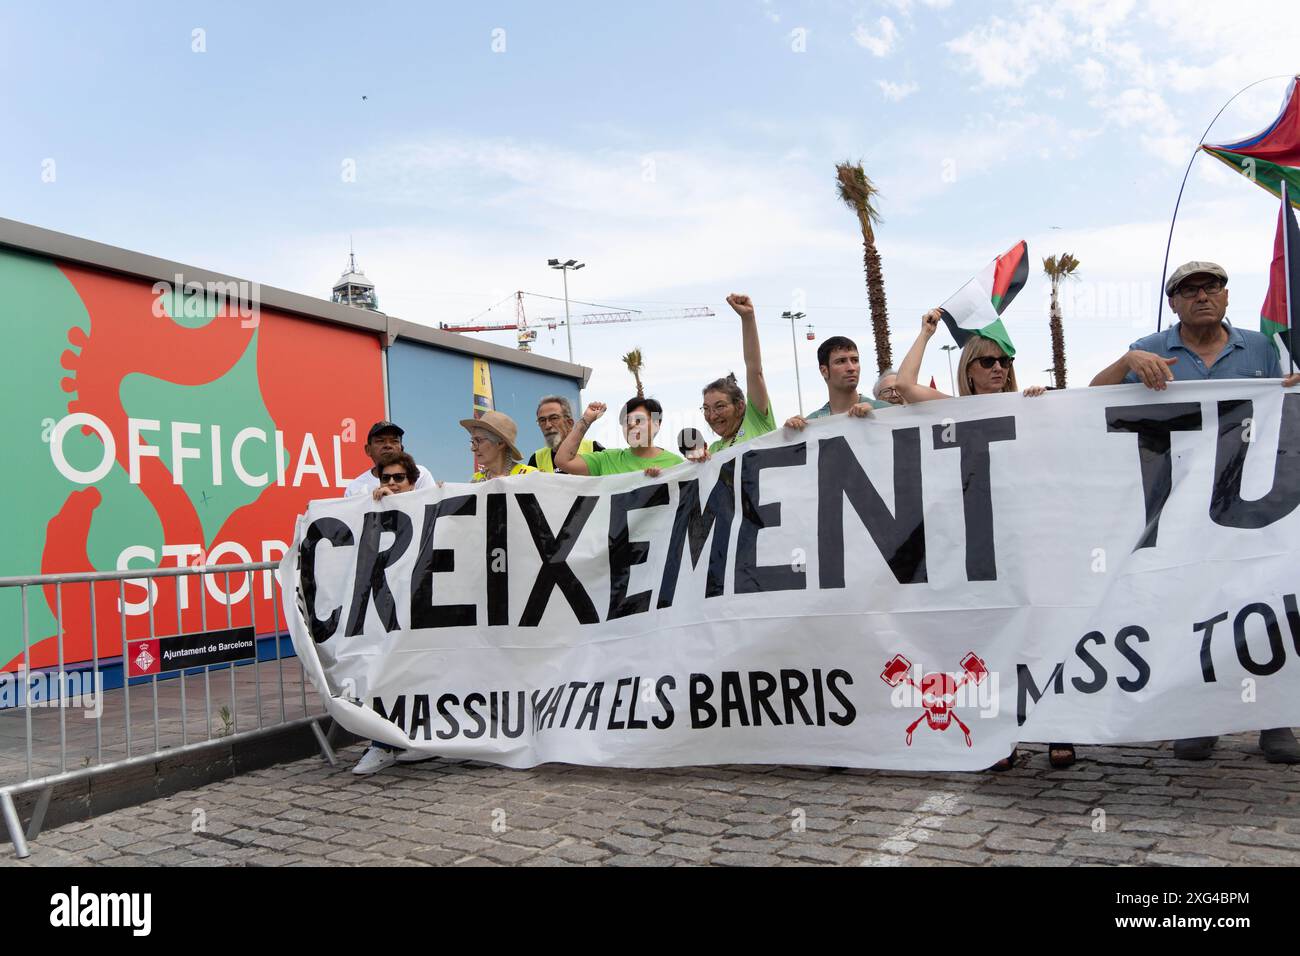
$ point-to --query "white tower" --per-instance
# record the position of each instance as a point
(354, 289)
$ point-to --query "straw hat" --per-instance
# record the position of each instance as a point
(499, 424)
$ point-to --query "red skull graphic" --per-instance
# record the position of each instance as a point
(938, 691)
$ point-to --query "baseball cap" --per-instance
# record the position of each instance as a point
(380, 427)
(1193, 268)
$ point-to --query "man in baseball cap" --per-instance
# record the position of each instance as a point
(1203, 344)
(383, 445)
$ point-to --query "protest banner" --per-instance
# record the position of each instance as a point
(920, 589)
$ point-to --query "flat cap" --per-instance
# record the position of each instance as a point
(1194, 268)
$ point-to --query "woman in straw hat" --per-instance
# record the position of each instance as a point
(492, 439)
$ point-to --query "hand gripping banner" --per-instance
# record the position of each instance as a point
(921, 589)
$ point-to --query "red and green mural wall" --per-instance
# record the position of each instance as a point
(144, 432)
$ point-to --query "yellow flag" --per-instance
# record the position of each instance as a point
(482, 387)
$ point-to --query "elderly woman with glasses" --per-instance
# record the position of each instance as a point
(492, 439)
(984, 369)
(737, 416)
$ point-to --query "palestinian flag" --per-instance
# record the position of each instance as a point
(976, 308)
(1273, 156)
(1281, 313)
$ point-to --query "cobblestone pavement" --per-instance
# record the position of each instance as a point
(1118, 805)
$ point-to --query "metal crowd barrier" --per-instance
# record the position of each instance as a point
(115, 744)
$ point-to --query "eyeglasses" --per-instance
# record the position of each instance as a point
(549, 420)
(1192, 290)
(988, 361)
(394, 478)
(888, 392)
(476, 440)
(717, 408)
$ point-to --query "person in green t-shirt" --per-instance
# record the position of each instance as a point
(640, 418)
(737, 416)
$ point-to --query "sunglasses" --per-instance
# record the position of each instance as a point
(394, 478)
(988, 361)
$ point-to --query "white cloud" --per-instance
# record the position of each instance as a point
(905, 6)
(1091, 73)
(1003, 53)
(1172, 69)
(1137, 106)
(897, 92)
(880, 43)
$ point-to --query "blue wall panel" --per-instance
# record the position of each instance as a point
(431, 390)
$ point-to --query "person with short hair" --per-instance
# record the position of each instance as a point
(841, 369)
(384, 439)
(737, 416)
(886, 388)
(640, 418)
(398, 473)
(555, 421)
(492, 439)
(1204, 345)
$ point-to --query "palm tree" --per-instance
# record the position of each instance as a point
(634, 365)
(858, 193)
(1058, 269)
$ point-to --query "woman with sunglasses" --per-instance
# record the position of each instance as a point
(984, 369)
(398, 474)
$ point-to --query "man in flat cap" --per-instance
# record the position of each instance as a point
(1201, 346)
(383, 445)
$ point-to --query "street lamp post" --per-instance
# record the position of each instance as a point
(952, 383)
(565, 267)
(794, 318)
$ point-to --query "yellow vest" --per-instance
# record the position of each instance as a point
(546, 463)
(519, 469)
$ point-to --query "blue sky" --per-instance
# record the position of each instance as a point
(682, 150)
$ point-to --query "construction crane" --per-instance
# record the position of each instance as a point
(525, 336)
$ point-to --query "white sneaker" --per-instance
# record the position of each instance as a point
(374, 760)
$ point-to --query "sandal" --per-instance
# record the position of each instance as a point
(1060, 756)
(1006, 763)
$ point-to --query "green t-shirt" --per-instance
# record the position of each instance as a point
(621, 461)
(753, 425)
(826, 409)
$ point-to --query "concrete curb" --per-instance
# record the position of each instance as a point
(168, 774)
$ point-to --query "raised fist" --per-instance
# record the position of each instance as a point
(593, 412)
(743, 305)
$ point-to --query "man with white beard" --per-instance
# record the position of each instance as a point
(555, 419)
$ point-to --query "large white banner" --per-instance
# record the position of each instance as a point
(917, 590)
